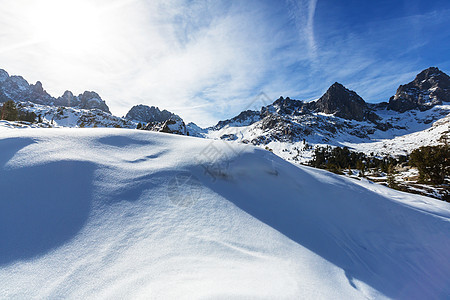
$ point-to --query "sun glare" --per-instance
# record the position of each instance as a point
(74, 26)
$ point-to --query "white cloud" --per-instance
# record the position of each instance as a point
(204, 60)
(303, 12)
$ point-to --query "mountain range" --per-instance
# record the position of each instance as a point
(126, 213)
(342, 118)
(291, 128)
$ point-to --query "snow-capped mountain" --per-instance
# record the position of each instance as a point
(431, 87)
(289, 127)
(146, 114)
(85, 110)
(342, 103)
(16, 88)
(342, 118)
(87, 100)
(175, 126)
(153, 119)
(62, 116)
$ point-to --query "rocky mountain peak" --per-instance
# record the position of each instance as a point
(91, 100)
(431, 73)
(67, 99)
(337, 86)
(341, 102)
(16, 88)
(283, 106)
(146, 114)
(3, 75)
(430, 78)
(67, 94)
(38, 88)
(245, 118)
(430, 87)
(337, 93)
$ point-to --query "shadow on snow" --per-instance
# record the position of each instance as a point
(41, 207)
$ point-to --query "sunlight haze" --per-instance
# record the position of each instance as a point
(206, 60)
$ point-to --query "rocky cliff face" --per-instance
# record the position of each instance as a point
(430, 87)
(16, 88)
(343, 103)
(67, 99)
(91, 100)
(168, 126)
(146, 114)
(245, 118)
(341, 117)
(87, 100)
(158, 120)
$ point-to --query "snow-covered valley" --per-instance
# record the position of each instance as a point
(119, 213)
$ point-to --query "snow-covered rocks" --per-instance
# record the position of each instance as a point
(168, 126)
(61, 116)
(16, 88)
(430, 87)
(146, 114)
(87, 100)
(342, 118)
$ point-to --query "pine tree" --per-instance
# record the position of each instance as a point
(9, 111)
(391, 178)
(27, 116)
(433, 163)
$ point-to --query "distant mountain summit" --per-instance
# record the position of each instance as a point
(85, 110)
(343, 103)
(146, 114)
(87, 100)
(16, 88)
(338, 116)
(154, 119)
(414, 117)
(337, 100)
(430, 87)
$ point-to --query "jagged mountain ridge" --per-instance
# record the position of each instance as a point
(430, 87)
(431, 83)
(85, 110)
(147, 114)
(343, 103)
(339, 118)
(63, 116)
(158, 120)
(16, 88)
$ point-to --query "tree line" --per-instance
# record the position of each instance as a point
(432, 162)
(10, 112)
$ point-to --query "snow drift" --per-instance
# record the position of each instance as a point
(115, 213)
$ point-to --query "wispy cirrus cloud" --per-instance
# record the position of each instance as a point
(206, 60)
(302, 12)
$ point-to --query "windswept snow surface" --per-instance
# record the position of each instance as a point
(116, 213)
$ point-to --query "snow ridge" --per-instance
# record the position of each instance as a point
(135, 217)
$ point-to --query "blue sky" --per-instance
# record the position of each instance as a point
(207, 60)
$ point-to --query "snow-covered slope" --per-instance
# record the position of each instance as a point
(61, 116)
(116, 213)
(294, 136)
(437, 134)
